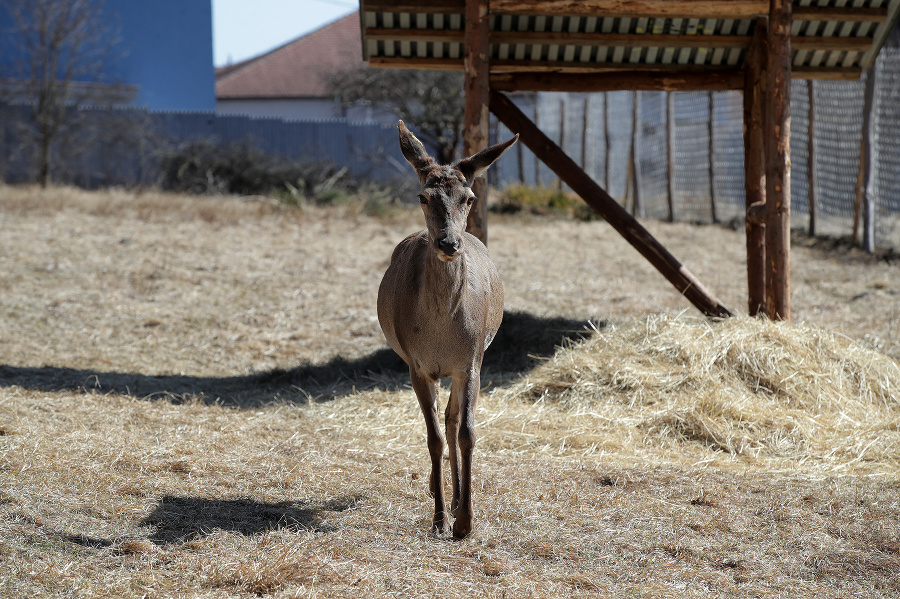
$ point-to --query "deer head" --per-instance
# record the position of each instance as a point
(447, 195)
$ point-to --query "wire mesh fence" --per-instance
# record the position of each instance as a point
(702, 177)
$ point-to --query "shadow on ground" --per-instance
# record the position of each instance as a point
(523, 340)
(180, 519)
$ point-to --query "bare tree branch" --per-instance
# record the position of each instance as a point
(63, 50)
(431, 102)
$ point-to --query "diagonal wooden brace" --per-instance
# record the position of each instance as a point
(598, 199)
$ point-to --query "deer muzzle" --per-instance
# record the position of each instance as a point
(448, 248)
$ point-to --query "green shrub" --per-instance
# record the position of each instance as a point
(543, 201)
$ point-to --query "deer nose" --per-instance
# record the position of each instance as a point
(448, 246)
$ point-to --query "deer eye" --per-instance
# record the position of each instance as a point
(470, 200)
(423, 199)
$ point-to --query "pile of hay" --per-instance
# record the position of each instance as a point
(765, 393)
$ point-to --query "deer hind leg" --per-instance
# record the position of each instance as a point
(426, 392)
(468, 394)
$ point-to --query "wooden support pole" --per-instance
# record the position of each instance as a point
(778, 162)
(598, 199)
(812, 172)
(754, 170)
(477, 115)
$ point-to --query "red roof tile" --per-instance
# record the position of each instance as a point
(298, 69)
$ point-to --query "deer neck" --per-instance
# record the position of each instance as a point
(445, 282)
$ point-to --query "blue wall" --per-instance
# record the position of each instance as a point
(165, 50)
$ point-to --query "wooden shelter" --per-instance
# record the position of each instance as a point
(756, 46)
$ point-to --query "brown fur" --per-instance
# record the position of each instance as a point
(440, 304)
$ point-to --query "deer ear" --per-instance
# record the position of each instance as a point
(415, 153)
(475, 165)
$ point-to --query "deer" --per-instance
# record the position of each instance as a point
(440, 304)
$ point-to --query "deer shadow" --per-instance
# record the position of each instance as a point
(522, 341)
(177, 520)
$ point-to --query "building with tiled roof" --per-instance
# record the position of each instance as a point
(291, 81)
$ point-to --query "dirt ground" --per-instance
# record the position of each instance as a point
(196, 400)
(224, 286)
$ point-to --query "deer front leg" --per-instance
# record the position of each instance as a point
(468, 395)
(452, 433)
(426, 392)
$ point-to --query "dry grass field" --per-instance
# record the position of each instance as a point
(196, 401)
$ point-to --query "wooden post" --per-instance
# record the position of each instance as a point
(754, 170)
(477, 115)
(598, 199)
(710, 128)
(637, 208)
(778, 162)
(670, 154)
(868, 149)
(812, 175)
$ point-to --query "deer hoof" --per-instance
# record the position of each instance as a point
(439, 524)
(462, 529)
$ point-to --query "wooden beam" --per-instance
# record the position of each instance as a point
(628, 40)
(412, 6)
(654, 75)
(754, 169)
(477, 116)
(682, 9)
(676, 80)
(598, 199)
(379, 34)
(778, 162)
(575, 67)
(399, 62)
(535, 66)
(547, 38)
(846, 14)
(827, 73)
(831, 44)
(501, 69)
(732, 9)
(625, 40)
